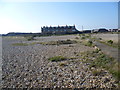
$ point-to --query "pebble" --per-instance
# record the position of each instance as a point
(29, 67)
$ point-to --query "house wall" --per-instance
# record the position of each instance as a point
(58, 30)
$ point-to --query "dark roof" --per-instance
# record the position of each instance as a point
(59, 27)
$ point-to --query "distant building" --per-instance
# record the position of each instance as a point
(99, 30)
(114, 30)
(59, 30)
(86, 31)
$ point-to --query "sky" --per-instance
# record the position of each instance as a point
(31, 16)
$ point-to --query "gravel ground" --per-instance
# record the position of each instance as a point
(111, 51)
(107, 37)
(28, 66)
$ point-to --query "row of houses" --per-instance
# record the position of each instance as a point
(59, 30)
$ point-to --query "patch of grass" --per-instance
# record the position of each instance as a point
(59, 42)
(20, 44)
(100, 38)
(96, 72)
(96, 50)
(102, 61)
(76, 37)
(83, 37)
(29, 38)
(88, 43)
(115, 73)
(57, 58)
(62, 64)
(110, 42)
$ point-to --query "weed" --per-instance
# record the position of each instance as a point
(57, 58)
(88, 43)
(96, 72)
(76, 37)
(29, 38)
(110, 42)
(83, 37)
(62, 64)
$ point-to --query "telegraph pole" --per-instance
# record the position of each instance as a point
(82, 28)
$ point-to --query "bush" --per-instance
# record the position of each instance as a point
(76, 38)
(97, 50)
(57, 58)
(82, 37)
(63, 64)
(100, 38)
(29, 38)
(110, 41)
(89, 43)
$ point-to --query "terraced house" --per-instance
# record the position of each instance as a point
(59, 30)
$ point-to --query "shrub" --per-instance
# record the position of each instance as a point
(76, 38)
(100, 38)
(57, 58)
(82, 37)
(97, 50)
(110, 41)
(89, 43)
(62, 64)
(29, 38)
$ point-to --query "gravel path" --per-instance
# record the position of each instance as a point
(113, 52)
(28, 66)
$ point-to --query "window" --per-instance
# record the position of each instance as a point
(73, 30)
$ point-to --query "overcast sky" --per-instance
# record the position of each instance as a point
(31, 16)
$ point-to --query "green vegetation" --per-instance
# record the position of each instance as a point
(96, 72)
(110, 42)
(30, 38)
(62, 64)
(83, 37)
(98, 59)
(86, 40)
(60, 58)
(20, 44)
(57, 58)
(76, 37)
(59, 42)
(88, 43)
